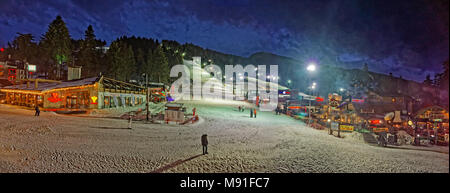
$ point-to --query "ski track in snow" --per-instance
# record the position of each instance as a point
(237, 143)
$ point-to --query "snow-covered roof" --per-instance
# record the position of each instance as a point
(43, 86)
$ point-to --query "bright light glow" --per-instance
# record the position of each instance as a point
(289, 81)
(32, 68)
(341, 89)
(311, 67)
(94, 100)
(314, 84)
(268, 76)
(329, 120)
(410, 123)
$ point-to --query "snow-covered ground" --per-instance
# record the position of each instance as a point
(238, 143)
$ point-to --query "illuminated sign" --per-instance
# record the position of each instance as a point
(32, 68)
(358, 100)
(283, 92)
(2, 49)
(377, 129)
(94, 100)
(346, 127)
(54, 98)
(319, 99)
(375, 122)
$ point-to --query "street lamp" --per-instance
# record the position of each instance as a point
(311, 67)
(148, 95)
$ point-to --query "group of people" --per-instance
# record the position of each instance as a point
(241, 109)
(279, 109)
(252, 111)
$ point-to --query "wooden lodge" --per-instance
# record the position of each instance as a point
(90, 93)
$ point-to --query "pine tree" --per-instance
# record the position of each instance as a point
(24, 48)
(89, 56)
(57, 46)
(428, 80)
(113, 58)
(149, 65)
(121, 65)
(444, 78)
(129, 66)
(140, 62)
(365, 67)
(162, 66)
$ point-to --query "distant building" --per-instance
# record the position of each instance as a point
(104, 49)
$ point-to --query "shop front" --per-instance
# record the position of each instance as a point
(432, 123)
(78, 95)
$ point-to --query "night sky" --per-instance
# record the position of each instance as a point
(408, 38)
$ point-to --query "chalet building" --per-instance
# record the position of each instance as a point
(433, 119)
(82, 94)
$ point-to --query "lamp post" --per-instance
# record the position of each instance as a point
(311, 68)
(148, 96)
(310, 106)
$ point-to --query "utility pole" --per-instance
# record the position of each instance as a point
(309, 110)
(148, 96)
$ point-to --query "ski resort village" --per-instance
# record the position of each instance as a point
(75, 100)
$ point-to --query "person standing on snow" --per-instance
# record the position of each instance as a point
(37, 111)
(254, 112)
(205, 144)
(251, 113)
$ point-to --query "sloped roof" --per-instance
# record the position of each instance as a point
(43, 86)
(428, 108)
(379, 110)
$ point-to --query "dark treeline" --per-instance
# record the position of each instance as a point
(126, 59)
